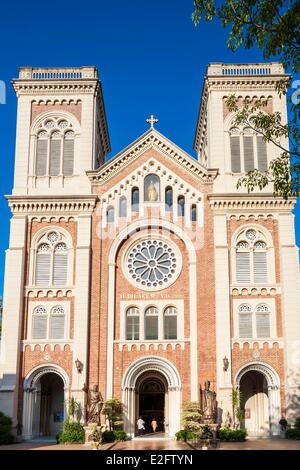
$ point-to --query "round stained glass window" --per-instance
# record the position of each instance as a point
(153, 264)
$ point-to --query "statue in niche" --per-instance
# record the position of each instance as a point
(208, 402)
(152, 193)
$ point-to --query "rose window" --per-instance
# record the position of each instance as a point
(153, 264)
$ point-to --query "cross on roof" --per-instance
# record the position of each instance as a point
(152, 120)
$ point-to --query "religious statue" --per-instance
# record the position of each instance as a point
(94, 404)
(208, 402)
(152, 193)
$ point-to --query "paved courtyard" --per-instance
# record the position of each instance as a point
(162, 444)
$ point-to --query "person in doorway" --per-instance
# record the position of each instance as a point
(141, 426)
(154, 424)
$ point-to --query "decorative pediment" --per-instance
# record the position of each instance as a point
(151, 139)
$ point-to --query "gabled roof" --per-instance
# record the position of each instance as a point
(151, 139)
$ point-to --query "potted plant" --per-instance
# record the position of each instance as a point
(205, 445)
(96, 438)
(283, 427)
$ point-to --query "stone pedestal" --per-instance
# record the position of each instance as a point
(89, 429)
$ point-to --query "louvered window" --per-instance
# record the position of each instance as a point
(132, 324)
(235, 153)
(243, 266)
(39, 323)
(251, 258)
(51, 264)
(57, 323)
(43, 265)
(263, 329)
(248, 151)
(170, 323)
(262, 159)
(151, 323)
(41, 155)
(68, 155)
(245, 322)
(55, 150)
(260, 267)
(60, 265)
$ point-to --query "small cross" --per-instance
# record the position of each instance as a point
(151, 121)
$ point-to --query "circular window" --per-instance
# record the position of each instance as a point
(153, 264)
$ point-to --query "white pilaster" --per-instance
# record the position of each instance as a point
(81, 313)
(290, 281)
(223, 337)
(12, 316)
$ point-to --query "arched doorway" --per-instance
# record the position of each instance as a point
(255, 403)
(157, 379)
(151, 400)
(44, 403)
(260, 399)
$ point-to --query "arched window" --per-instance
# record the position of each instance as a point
(263, 321)
(248, 150)
(235, 150)
(41, 154)
(123, 207)
(245, 321)
(55, 153)
(39, 323)
(110, 215)
(169, 199)
(181, 206)
(57, 323)
(151, 323)
(170, 323)
(132, 324)
(193, 213)
(48, 325)
(51, 264)
(55, 148)
(135, 200)
(251, 257)
(151, 188)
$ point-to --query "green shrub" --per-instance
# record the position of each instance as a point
(185, 435)
(297, 424)
(226, 434)
(71, 433)
(120, 435)
(108, 436)
(293, 433)
(6, 436)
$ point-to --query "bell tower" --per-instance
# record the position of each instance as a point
(61, 130)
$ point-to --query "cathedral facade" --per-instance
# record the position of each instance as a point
(148, 274)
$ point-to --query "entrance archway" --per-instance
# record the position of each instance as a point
(44, 402)
(146, 376)
(260, 399)
(152, 398)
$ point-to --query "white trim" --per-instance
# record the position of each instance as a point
(253, 303)
(140, 224)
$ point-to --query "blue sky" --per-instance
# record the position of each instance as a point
(150, 56)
